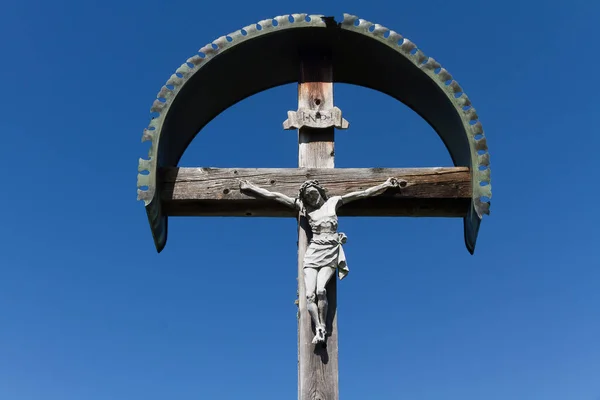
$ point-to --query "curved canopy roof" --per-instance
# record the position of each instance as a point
(267, 54)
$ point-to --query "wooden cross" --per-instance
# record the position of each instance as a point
(317, 365)
(215, 192)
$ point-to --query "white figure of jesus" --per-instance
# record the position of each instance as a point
(324, 253)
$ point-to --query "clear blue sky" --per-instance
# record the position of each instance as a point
(88, 310)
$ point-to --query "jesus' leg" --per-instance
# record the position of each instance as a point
(310, 287)
(323, 278)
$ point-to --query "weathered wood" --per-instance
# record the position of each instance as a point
(317, 365)
(429, 192)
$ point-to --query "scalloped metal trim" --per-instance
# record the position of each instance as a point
(480, 158)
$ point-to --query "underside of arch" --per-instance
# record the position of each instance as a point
(267, 54)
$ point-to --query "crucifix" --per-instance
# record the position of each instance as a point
(320, 251)
(315, 193)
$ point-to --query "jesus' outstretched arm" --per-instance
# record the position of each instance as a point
(372, 191)
(246, 186)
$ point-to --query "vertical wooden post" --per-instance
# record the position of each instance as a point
(317, 364)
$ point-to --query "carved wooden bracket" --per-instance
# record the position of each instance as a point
(315, 119)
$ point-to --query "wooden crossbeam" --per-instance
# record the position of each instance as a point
(429, 192)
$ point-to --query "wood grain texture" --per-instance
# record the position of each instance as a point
(317, 364)
(429, 192)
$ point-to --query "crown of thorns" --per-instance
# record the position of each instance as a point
(315, 184)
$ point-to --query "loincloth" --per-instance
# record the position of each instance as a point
(327, 252)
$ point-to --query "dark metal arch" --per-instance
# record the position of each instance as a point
(265, 55)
